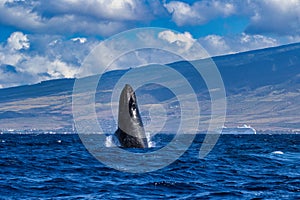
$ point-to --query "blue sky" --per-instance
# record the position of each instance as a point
(43, 40)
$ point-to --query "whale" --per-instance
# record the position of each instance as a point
(130, 132)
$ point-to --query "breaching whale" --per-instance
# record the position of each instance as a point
(130, 132)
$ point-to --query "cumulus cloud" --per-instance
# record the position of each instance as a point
(20, 15)
(184, 41)
(33, 61)
(43, 68)
(142, 47)
(63, 32)
(249, 42)
(18, 41)
(107, 17)
(220, 45)
(265, 16)
(199, 12)
(11, 53)
(292, 39)
(274, 16)
(10, 77)
(102, 17)
(79, 39)
(215, 45)
(25, 18)
(119, 10)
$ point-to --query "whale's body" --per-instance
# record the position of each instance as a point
(130, 132)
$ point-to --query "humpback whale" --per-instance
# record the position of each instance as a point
(130, 132)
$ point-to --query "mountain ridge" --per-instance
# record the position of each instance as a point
(268, 79)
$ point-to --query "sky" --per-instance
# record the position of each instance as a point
(42, 40)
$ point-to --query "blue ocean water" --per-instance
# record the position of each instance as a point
(48, 166)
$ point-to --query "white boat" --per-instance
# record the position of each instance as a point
(245, 129)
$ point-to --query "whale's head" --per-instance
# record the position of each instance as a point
(129, 119)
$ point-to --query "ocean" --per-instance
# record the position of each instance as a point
(47, 166)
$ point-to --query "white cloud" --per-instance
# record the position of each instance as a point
(101, 9)
(249, 42)
(79, 39)
(199, 12)
(293, 39)
(48, 57)
(265, 16)
(10, 53)
(143, 47)
(101, 17)
(18, 41)
(10, 78)
(216, 44)
(221, 45)
(107, 17)
(43, 68)
(182, 40)
(274, 16)
(19, 16)
(71, 51)
(50, 53)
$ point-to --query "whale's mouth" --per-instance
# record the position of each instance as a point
(132, 108)
(132, 103)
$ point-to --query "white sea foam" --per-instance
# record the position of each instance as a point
(110, 141)
(277, 152)
(149, 141)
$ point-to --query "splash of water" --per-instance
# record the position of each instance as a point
(112, 141)
(277, 152)
(149, 141)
